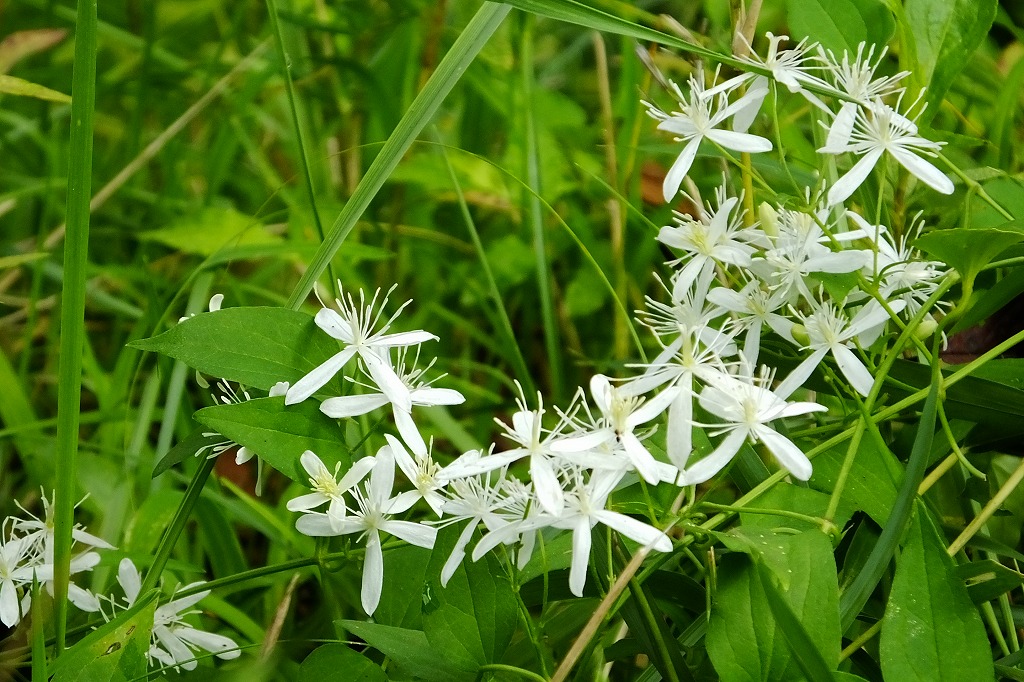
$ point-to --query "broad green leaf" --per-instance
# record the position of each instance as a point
(471, 620)
(931, 631)
(411, 651)
(744, 639)
(878, 21)
(401, 599)
(279, 434)
(210, 230)
(941, 36)
(114, 652)
(969, 250)
(189, 447)
(11, 85)
(794, 498)
(255, 346)
(836, 24)
(329, 661)
(872, 482)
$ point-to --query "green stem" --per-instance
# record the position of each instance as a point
(501, 667)
(72, 337)
(181, 516)
(976, 186)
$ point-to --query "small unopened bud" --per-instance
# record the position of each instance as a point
(926, 328)
(800, 334)
(769, 219)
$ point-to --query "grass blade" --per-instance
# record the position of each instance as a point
(76, 254)
(856, 595)
(480, 28)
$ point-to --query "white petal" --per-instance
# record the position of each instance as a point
(358, 472)
(402, 458)
(382, 480)
(413, 533)
(437, 396)
(788, 454)
(313, 465)
(401, 339)
(581, 541)
(307, 502)
(679, 169)
(316, 379)
(334, 324)
(9, 612)
(841, 129)
(853, 369)
(848, 184)
(315, 525)
(716, 461)
(679, 439)
(224, 647)
(410, 434)
(388, 381)
(638, 531)
(741, 142)
(800, 374)
(653, 407)
(644, 462)
(83, 599)
(457, 555)
(545, 482)
(923, 170)
(278, 389)
(352, 405)
(181, 654)
(129, 579)
(583, 442)
(373, 574)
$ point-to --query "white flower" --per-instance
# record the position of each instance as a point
(754, 307)
(15, 554)
(584, 509)
(475, 499)
(877, 129)
(420, 392)
(427, 477)
(622, 412)
(174, 641)
(354, 327)
(747, 408)
(700, 118)
(327, 489)
(375, 505)
(829, 330)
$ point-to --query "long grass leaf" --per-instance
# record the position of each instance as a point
(479, 29)
(76, 254)
(857, 594)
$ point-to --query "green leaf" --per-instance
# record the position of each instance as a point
(188, 447)
(410, 650)
(11, 85)
(931, 630)
(255, 346)
(794, 498)
(279, 434)
(857, 594)
(328, 661)
(210, 230)
(401, 598)
(744, 639)
(970, 250)
(872, 483)
(836, 24)
(471, 620)
(114, 652)
(987, 579)
(992, 300)
(941, 36)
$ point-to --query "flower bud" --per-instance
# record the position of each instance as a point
(800, 334)
(926, 328)
(769, 219)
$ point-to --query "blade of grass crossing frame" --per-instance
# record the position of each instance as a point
(76, 253)
(522, 371)
(469, 43)
(856, 595)
(532, 197)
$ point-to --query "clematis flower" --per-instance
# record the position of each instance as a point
(371, 518)
(15, 554)
(354, 327)
(700, 117)
(174, 642)
(877, 129)
(327, 489)
(747, 406)
(420, 393)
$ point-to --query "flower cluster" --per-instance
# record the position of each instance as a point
(26, 556)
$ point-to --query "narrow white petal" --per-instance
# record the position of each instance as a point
(83, 599)
(638, 531)
(224, 647)
(409, 432)
(388, 381)
(716, 461)
(313, 465)
(457, 555)
(680, 425)
(307, 502)
(413, 533)
(316, 379)
(9, 613)
(382, 480)
(181, 654)
(583, 441)
(545, 482)
(853, 369)
(334, 324)
(581, 541)
(788, 454)
(841, 129)
(352, 405)
(373, 574)
(644, 462)
(800, 374)
(437, 396)
(316, 526)
(923, 170)
(360, 468)
(402, 458)
(129, 579)
(741, 142)
(848, 184)
(402, 339)
(653, 407)
(679, 169)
